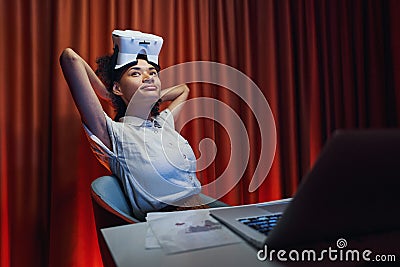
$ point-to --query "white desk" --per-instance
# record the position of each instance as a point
(126, 244)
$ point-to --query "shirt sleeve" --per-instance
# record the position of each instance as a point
(101, 151)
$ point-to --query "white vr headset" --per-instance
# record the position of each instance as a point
(132, 43)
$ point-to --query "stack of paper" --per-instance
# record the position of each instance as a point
(186, 230)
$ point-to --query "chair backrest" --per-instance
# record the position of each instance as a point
(107, 195)
(110, 208)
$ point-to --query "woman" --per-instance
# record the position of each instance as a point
(155, 164)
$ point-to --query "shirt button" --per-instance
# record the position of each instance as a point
(155, 131)
(184, 156)
(190, 177)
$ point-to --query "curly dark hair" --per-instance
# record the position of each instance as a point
(108, 75)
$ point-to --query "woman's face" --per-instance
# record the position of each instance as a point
(140, 80)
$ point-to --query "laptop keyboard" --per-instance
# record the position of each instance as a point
(263, 224)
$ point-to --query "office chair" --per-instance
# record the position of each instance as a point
(110, 204)
(112, 208)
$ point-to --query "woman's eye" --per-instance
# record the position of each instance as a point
(135, 73)
(153, 73)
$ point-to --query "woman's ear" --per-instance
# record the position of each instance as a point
(117, 89)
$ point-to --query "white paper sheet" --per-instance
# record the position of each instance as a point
(188, 230)
(151, 241)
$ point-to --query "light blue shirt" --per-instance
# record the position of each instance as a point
(155, 163)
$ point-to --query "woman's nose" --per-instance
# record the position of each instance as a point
(147, 77)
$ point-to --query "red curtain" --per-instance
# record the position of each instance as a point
(322, 65)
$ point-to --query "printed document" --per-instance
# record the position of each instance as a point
(187, 230)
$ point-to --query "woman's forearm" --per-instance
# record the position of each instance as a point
(177, 95)
(170, 94)
(95, 82)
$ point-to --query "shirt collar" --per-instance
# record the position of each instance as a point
(139, 122)
(136, 121)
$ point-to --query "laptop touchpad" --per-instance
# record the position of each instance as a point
(275, 207)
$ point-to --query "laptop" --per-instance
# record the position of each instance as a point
(352, 190)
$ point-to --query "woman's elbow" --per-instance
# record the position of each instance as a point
(68, 55)
(186, 89)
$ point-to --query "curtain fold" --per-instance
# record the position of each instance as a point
(322, 65)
